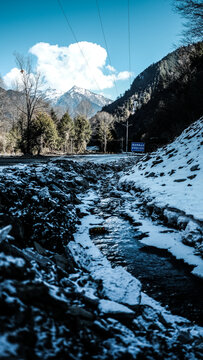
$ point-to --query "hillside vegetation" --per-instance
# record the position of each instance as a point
(164, 99)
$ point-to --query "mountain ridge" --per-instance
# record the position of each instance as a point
(165, 98)
(79, 100)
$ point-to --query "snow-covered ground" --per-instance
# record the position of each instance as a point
(58, 287)
(102, 158)
(173, 175)
(170, 182)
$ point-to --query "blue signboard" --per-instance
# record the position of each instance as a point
(137, 146)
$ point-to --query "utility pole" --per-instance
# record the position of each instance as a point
(125, 117)
(127, 125)
(122, 144)
(126, 147)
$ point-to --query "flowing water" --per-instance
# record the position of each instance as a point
(165, 279)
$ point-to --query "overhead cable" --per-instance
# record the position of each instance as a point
(129, 41)
(105, 42)
(74, 36)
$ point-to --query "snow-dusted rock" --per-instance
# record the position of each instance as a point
(117, 284)
(112, 308)
(4, 233)
(192, 234)
(44, 193)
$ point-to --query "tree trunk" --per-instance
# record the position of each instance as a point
(105, 144)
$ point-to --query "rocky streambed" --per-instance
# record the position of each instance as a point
(56, 300)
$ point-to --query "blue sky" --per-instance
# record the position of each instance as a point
(154, 29)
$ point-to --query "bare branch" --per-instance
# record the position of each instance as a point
(192, 11)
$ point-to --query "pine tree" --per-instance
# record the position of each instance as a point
(43, 133)
(82, 133)
(54, 116)
(66, 132)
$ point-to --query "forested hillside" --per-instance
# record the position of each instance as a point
(164, 99)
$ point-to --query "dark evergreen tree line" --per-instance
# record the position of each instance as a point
(48, 133)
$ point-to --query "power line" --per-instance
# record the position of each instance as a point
(107, 50)
(129, 42)
(74, 36)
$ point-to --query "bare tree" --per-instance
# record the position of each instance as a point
(105, 127)
(32, 98)
(192, 11)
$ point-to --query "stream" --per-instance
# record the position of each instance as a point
(164, 278)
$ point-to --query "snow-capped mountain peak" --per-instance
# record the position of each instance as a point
(81, 101)
(76, 89)
(52, 95)
(97, 98)
(76, 100)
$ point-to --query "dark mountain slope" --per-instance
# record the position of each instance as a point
(165, 98)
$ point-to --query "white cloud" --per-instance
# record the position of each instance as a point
(82, 64)
(110, 68)
(124, 75)
(13, 79)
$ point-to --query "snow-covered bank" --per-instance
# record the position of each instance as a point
(118, 295)
(169, 182)
(157, 236)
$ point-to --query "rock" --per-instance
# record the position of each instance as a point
(40, 249)
(146, 157)
(156, 162)
(75, 199)
(61, 261)
(184, 337)
(115, 194)
(116, 310)
(79, 312)
(30, 255)
(140, 235)
(171, 217)
(12, 267)
(182, 222)
(195, 167)
(190, 161)
(151, 174)
(171, 172)
(44, 193)
(193, 234)
(4, 232)
(41, 296)
(127, 293)
(191, 176)
(169, 151)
